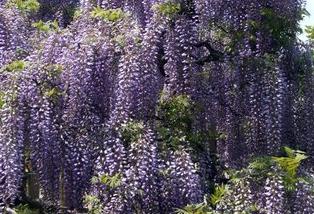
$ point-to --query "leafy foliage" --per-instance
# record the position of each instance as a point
(280, 29)
(110, 181)
(46, 27)
(15, 66)
(132, 131)
(176, 115)
(310, 32)
(28, 6)
(290, 166)
(257, 176)
(168, 9)
(93, 204)
(111, 15)
(202, 208)
(25, 209)
(219, 193)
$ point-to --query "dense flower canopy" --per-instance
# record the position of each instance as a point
(144, 103)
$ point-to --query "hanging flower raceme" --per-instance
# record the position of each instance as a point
(304, 200)
(43, 90)
(111, 4)
(139, 79)
(182, 180)
(273, 200)
(12, 139)
(142, 173)
(81, 123)
(14, 35)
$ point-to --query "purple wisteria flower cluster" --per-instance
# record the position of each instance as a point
(143, 104)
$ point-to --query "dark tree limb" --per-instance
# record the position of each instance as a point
(214, 55)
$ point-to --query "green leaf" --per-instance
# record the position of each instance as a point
(309, 30)
(54, 70)
(77, 13)
(290, 166)
(2, 99)
(304, 12)
(175, 115)
(289, 152)
(218, 195)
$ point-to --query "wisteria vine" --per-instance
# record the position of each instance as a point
(144, 104)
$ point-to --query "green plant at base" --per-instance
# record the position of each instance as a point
(262, 167)
(92, 202)
(261, 164)
(290, 165)
(257, 173)
(219, 192)
(201, 208)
